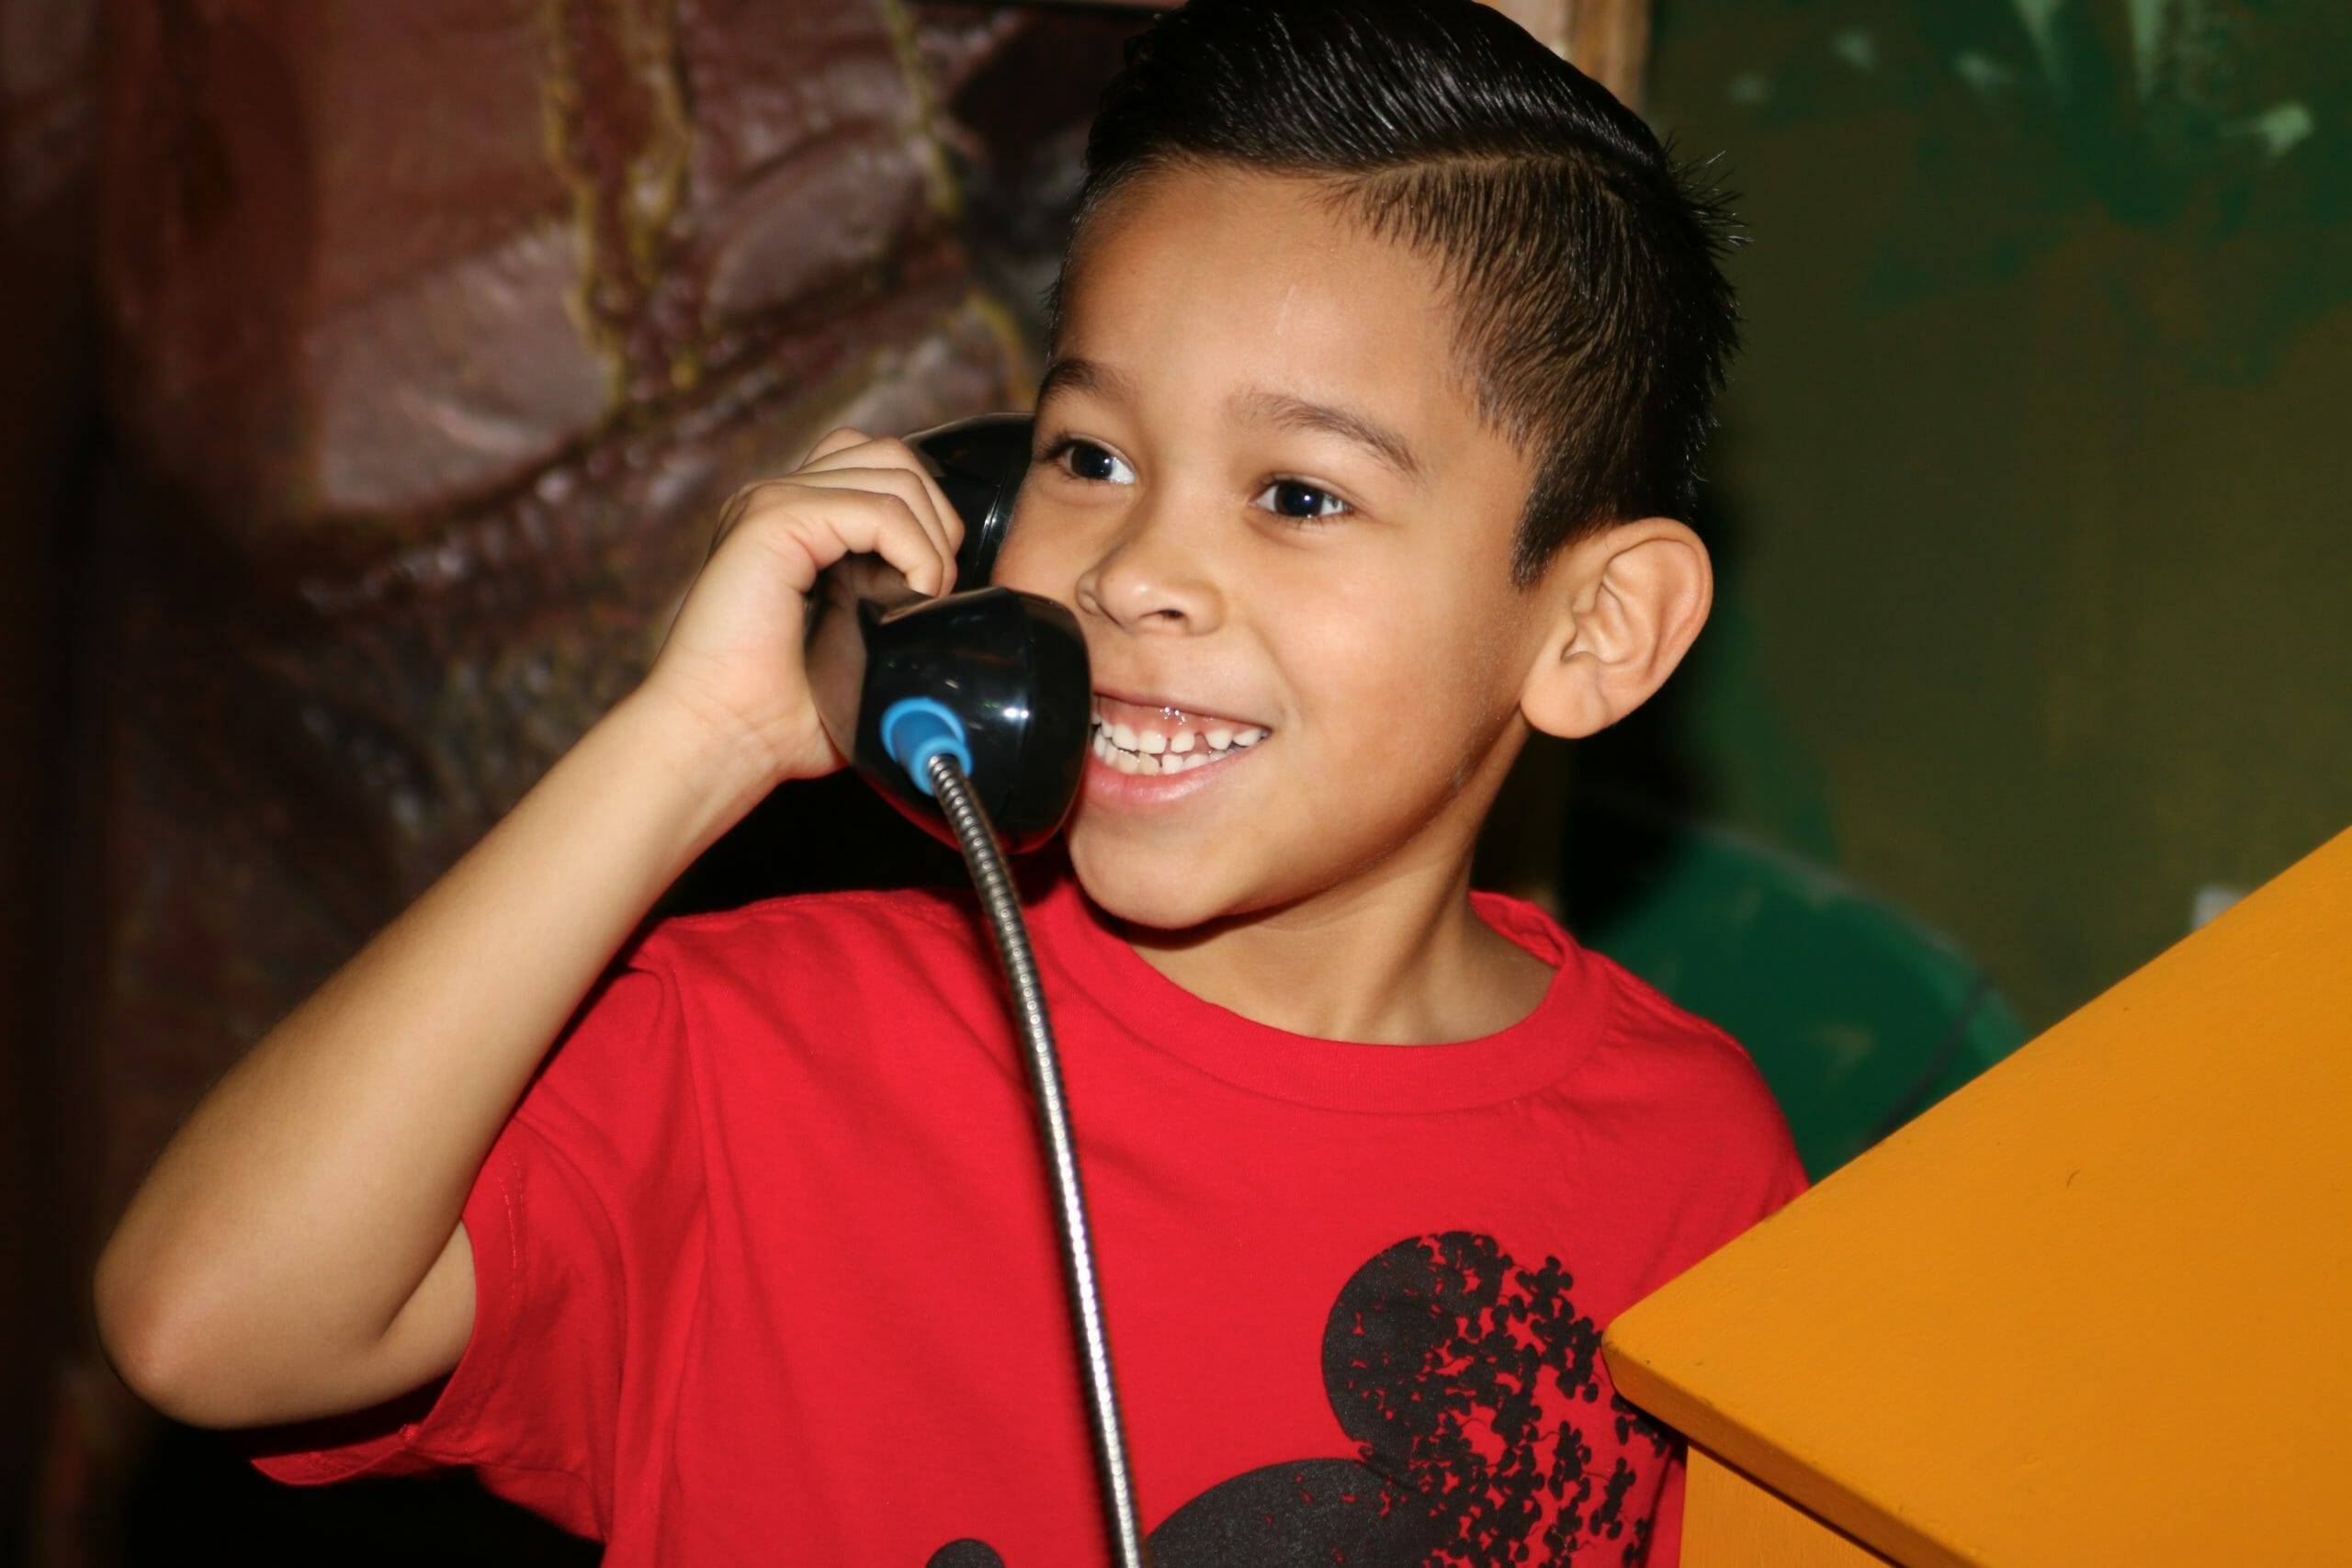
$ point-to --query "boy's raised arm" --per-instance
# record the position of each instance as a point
(295, 1250)
(285, 1228)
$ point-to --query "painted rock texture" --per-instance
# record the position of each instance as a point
(435, 336)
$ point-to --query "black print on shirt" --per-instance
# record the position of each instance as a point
(1469, 1385)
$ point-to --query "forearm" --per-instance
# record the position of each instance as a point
(310, 1192)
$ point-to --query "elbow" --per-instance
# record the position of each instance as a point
(151, 1348)
(130, 1332)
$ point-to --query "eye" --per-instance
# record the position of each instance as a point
(1298, 494)
(1090, 462)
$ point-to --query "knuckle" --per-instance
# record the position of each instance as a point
(748, 499)
(759, 505)
(832, 441)
(911, 492)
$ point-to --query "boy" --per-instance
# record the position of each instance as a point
(1379, 365)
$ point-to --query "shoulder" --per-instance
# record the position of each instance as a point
(829, 949)
(1685, 1054)
(866, 921)
(1698, 1087)
(1648, 1055)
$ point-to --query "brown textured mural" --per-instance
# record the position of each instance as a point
(434, 336)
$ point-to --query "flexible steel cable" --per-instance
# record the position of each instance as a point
(1003, 906)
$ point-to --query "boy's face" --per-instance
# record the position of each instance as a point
(1238, 562)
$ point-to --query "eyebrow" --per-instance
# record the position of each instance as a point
(1077, 375)
(1086, 376)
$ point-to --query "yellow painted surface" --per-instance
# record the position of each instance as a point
(2095, 1308)
(1728, 1521)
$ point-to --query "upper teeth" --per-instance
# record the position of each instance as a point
(1174, 749)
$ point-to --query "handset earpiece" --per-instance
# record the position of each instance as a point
(997, 678)
(980, 462)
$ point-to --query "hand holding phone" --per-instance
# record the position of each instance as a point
(733, 656)
(994, 679)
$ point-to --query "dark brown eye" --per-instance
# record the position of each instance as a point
(1299, 501)
(1088, 461)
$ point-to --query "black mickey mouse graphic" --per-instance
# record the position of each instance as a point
(1464, 1381)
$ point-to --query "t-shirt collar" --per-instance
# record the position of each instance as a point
(1084, 942)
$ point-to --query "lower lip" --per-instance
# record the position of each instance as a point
(1106, 785)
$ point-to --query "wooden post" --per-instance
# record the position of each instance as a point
(1609, 41)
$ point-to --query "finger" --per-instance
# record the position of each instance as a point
(898, 452)
(764, 494)
(885, 524)
(951, 520)
(822, 523)
(833, 440)
(896, 483)
(753, 500)
(738, 506)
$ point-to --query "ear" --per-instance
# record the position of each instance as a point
(1633, 598)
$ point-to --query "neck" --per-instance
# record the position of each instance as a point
(1395, 956)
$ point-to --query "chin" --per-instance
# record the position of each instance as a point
(1130, 885)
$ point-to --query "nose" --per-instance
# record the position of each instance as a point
(1152, 579)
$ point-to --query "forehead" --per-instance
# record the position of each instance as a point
(1199, 282)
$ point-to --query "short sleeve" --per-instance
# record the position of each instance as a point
(1788, 1181)
(1784, 1175)
(1754, 1164)
(586, 1221)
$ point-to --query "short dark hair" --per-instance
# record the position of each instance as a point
(1584, 261)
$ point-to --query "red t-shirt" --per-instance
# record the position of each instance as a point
(767, 1268)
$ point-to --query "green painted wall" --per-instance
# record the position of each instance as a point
(2033, 496)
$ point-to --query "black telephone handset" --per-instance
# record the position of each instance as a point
(996, 677)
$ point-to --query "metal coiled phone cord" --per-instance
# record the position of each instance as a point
(998, 900)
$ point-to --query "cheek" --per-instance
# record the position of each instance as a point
(1018, 561)
(1386, 675)
(1045, 552)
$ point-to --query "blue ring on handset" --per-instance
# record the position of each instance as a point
(915, 729)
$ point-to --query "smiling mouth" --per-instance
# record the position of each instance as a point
(1162, 745)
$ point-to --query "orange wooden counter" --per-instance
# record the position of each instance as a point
(2095, 1308)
